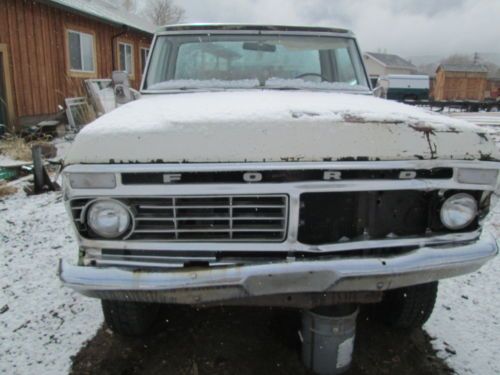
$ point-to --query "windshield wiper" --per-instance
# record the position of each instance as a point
(286, 88)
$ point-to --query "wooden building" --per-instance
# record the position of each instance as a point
(48, 47)
(460, 82)
(493, 88)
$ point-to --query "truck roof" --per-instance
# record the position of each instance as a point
(406, 76)
(252, 27)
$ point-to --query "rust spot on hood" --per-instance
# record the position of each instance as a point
(485, 157)
(483, 136)
(304, 113)
(427, 130)
(357, 119)
(422, 127)
(291, 158)
(354, 118)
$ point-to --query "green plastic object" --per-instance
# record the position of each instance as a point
(7, 174)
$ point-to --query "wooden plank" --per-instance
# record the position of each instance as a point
(41, 47)
(24, 59)
(35, 70)
(20, 105)
(59, 40)
(47, 50)
(4, 25)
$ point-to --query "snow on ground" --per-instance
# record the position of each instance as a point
(465, 323)
(7, 161)
(42, 324)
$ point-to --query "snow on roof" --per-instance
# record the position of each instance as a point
(391, 61)
(407, 76)
(109, 12)
(469, 68)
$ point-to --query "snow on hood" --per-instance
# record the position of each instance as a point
(269, 125)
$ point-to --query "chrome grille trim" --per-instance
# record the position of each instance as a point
(292, 190)
(201, 218)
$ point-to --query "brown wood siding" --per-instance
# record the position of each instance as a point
(460, 85)
(35, 35)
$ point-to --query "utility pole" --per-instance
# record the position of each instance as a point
(476, 58)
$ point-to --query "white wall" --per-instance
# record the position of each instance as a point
(375, 69)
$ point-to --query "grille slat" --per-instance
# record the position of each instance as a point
(215, 230)
(210, 207)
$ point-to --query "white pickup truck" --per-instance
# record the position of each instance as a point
(258, 168)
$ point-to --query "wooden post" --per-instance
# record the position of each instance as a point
(36, 152)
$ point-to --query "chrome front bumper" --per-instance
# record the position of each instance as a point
(218, 284)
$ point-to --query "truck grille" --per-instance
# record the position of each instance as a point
(370, 215)
(205, 218)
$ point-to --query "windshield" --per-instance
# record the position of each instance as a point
(255, 61)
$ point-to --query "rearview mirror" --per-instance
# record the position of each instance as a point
(252, 46)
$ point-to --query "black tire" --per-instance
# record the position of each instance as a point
(408, 308)
(130, 318)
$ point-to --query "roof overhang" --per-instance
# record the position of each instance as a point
(101, 18)
(408, 67)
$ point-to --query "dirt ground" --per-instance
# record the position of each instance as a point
(246, 341)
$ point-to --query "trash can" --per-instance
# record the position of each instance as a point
(328, 338)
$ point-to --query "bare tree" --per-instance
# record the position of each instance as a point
(129, 5)
(163, 12)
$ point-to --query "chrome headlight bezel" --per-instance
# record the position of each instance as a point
(119, 207)
(458, 211)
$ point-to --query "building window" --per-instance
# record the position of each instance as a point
(144, 58)
(126, 57)
(81, 51)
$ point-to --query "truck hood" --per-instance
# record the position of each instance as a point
(266, 125)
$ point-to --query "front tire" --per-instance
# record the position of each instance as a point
(130, 318)
(408, 308)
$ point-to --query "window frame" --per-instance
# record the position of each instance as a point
(9, 94)
(360, 69)
(143, 64)
(76, 72)
(131, 74)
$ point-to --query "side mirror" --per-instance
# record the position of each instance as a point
(379, 92)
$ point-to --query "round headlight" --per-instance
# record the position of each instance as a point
(108, 218)
(458, 211)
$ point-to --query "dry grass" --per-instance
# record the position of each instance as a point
(6, 190)
(15, 148)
